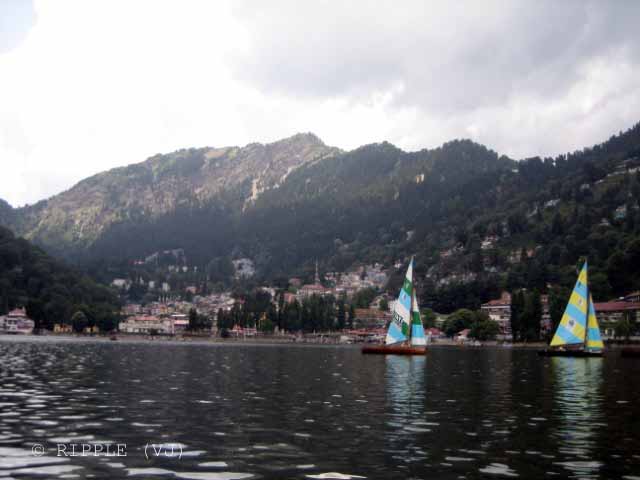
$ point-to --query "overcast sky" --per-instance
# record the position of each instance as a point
(87, 85)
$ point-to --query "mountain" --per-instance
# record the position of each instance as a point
(218, 179)
(50, 291)
(7, 214)
(476, 221)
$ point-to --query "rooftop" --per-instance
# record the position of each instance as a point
(616, 306)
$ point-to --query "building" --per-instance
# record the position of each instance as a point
(371, 318)
(62, 328)
(499, 311)
(632, 297)
(610, 313)
(314, 288)
(148, 324)
(289, 297)
(122, 283)
(433, 332)
(545, 320)
(16, 322)
(463, 335)
(180, 322)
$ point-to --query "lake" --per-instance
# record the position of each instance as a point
(223, 412)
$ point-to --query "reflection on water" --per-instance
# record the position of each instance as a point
(578, 403)
(405, 381)
(314, 412)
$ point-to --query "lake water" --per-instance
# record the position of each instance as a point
(242, 411)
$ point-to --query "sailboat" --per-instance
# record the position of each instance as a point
(578, 334)
(405, 335)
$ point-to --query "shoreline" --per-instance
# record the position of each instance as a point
(261, 340)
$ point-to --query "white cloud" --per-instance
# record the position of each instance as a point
(90, 85)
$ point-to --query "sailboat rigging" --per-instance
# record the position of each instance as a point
(578, 333)
(405, 334)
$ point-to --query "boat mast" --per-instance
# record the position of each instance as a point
(413, 296)
(586, 323)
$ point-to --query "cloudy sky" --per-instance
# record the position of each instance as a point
(87, 85)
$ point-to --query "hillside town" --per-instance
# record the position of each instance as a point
(360, 310)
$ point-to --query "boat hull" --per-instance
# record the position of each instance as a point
(568, 353)
(394, 350)
(630, 352)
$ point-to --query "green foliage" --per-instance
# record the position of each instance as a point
(558, 299)
(50, 291)
(352, 316)
(198, 322)
(457, 321)
(359, 207)
(363, 298)
(526, 314)
(384, 304)
(623, 328)
(255, 309)
(483, 328)
(79, 322)
(341, 315)
(428, 317)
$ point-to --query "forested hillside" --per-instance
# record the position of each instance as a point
(49, 290)
(477, 222)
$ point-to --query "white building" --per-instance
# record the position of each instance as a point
(148, 324)
(16, 321)
(499, 311)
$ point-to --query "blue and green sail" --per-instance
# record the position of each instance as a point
(417, 330)
(405, 321)
(579, 324)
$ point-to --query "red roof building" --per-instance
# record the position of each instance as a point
(609, 313)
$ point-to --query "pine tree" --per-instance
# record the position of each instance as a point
(517, 308)
(341, 316)
(352, 316)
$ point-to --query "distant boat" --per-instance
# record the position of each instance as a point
(578, 334)
(405, 335)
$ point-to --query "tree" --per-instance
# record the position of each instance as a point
(457, 321)
(623, 328)
(4, 302)
(533, 316)
(79, 322)
(428, 318)
(193, 319)
(384, 304)
(352, 316)
(341, 319)
(558, 298)
(484, 329)
(364, 297)
(517, 310)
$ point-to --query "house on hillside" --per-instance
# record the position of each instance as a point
(499, 310)
(610, 313)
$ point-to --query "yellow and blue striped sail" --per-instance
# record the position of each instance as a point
(572, 327)
(399, 328)
(594, 340)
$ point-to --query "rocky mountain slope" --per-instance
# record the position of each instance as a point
(73, 221)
